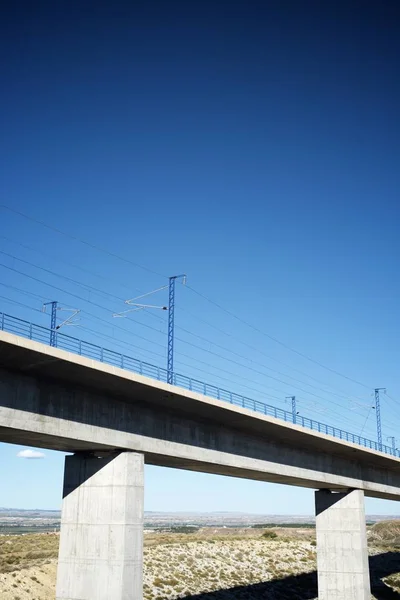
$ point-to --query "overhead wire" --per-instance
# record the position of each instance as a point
(264, 366)
(114, 255)
(148, 326)
(120, 342)
(276, 340)
(82, 241)
(92, 288)
(70, 264)
(102, 292)
(339, 393)
(104, 308)
(12, 301)
(62, 276)
(132, 345)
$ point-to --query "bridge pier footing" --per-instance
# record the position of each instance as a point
(342, 554)
(101, 540)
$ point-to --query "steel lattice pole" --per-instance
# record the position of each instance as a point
(53, 323)
(378, 417)
(171, 311)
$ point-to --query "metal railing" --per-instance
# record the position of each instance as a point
(38, 333)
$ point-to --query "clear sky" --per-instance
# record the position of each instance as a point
(254, 146)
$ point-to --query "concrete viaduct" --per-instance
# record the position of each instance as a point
(114, 421)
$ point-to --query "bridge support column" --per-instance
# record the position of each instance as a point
(342, 555)
(101, 541)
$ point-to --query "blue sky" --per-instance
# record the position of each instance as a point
(252, 146)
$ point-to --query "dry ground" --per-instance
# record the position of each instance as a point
(197, 565)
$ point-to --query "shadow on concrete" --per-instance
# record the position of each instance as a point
(304, 587)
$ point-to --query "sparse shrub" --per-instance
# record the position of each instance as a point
(269, 535)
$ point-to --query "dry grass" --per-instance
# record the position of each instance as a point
(177, 570)
(181, 565)
(385, 533)
(22, 551)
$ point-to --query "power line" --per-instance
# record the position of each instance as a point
(62, 260)
(19, 303)
(114, 255)
(113, 326)
(264, 366)
(193, 290)
(235, 362)
(340, 394)
(265, 396)
(146, 325)
(97, 290)
(366, 420)
(274, 339)
(143, 324)
(12, 287)
(132, 345)
(78, 239)
(152, 328)
(74, 281)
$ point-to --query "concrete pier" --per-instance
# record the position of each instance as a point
(101, 542)
(342, 555)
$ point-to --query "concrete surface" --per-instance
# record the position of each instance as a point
(101, 542)
(342, 554)
(53, 399)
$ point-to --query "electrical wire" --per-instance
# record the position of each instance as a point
(274, 339)
(132, 345)
(78, 239)
(97, 290)
(79, 283)
(189, 287)
(150, 327)
(339, 393)
(86, 286)
(70, 264)
(264, 366)
(92, 288)
(114, 255)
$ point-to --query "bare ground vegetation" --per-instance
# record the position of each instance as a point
(208, 564)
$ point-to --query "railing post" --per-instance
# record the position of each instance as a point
(80, 347)
(122, 361)
(30, 331)
(2, 321)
